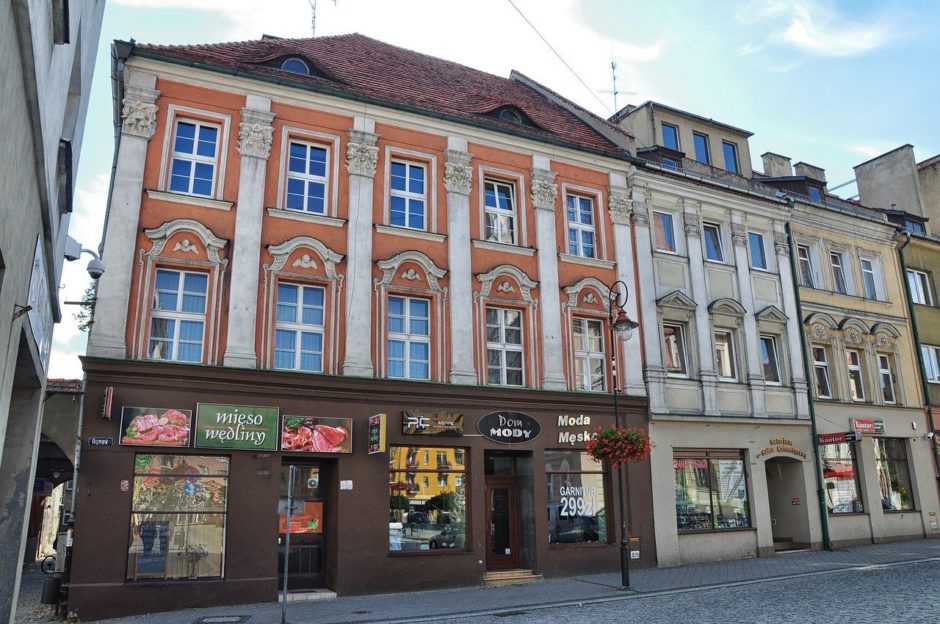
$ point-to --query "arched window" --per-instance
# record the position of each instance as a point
(295, 66)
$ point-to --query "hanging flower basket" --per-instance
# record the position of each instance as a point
(619, 446)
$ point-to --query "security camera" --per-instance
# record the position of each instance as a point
(929, 435)
(95, 268)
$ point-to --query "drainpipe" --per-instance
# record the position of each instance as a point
(810, 388)
(903, 238)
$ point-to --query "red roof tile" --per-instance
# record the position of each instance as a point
(360, 67)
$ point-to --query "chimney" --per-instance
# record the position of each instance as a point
(810, 171)
(776, 166)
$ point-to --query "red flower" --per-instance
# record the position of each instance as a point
(619, 446)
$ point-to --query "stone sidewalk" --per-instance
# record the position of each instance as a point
(429, 606)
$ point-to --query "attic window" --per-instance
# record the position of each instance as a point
(511, 115)
(296, 66)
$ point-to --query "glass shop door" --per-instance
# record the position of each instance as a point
(307, 552)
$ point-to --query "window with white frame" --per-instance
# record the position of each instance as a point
(731, 156)
(838, 273)
(769, 359)
(711, 234)
(853, 363)
(670, 136)
(674, 349)
(921, 292)
(724, 356)
(931, 356)
(868, 278)
(581, 235)
(306, 184)
(664, 231)
(504, 355)
(589, 356)
(499, 212)
(407, 195)
(806, 266)
(755, 242)
(193, 163)
(409, 338)
(821, 372)
(178, 317)
(298, 331)
(889, 389)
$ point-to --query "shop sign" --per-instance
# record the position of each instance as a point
(377, 433)
(825, 439)
(40, 307)
(307, 434)
(574, 422)
(155, 426)
(437, 424)
(509, 427)
(868, 425)
(236, 427)
(781, 445)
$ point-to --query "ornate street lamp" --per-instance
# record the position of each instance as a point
(622, 327)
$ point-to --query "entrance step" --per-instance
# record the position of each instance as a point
(495, 578)
(307, 595)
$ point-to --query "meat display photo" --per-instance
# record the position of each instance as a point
(150, 426)
(307, 434)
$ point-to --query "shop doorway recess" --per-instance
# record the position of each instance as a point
(786, 494)
(306, 563)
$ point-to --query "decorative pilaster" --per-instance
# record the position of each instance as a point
(361, 158)
(654, 373)
(458, 177)
(703, 332)
(794, 341)
(138, 124)
(254, 146)
(544, 196)
(619, 206)
(751, 338)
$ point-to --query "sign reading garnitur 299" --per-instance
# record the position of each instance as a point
(236, 427)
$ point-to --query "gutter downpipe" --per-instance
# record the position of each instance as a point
(810, 388)
(925, 388)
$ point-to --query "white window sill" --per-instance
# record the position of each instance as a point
(505, 248)
(307, 217)
(594, 262)
(190, 200)
(410, 233)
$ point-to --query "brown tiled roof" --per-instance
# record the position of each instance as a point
(360, 67)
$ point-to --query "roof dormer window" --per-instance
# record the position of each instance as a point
(511, 115)
(295, 66)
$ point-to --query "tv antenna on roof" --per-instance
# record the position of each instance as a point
(313, 16)
(613, 78)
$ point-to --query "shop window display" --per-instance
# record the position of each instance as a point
(427, 503)
(711, 491)
(894, 477)
(840, 472)
(178, 517)
(577, 504)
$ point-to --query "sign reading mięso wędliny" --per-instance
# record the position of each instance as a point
(509, 427)
(236, 427)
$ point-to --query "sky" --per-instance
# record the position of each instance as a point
(832, 84)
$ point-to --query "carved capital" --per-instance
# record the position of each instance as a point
(139, 118)
(544, 189)
(780, 244)
(738, 234)
(641, 213)
(458, 175)
(254, 133)
(620, 206)
(362, 155)
(692, 227)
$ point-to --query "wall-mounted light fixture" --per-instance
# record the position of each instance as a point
(20, 310)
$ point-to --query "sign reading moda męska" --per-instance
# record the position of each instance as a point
(236, 427)
(509, 427)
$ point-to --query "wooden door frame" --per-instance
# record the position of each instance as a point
(493, 561)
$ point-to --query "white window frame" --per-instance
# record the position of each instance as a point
(193, 158)
(857, 370)
(773, 355)
(719, 241)
(672, 220)
(821, 365)
(869, 287)
(579, 228)
(298, 327)
(586, 357)
(763, 250)
(806, 264)
(407, 195)
(921, 289)
(886, 372)
(306, 178)
(407, 337)
(725, 351)
(502, 347)
(683, 348)
(664, 124)
(513, 214)
(177, 316)
(931, 356)
(835, 256)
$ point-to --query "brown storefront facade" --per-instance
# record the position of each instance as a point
(164, 522)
